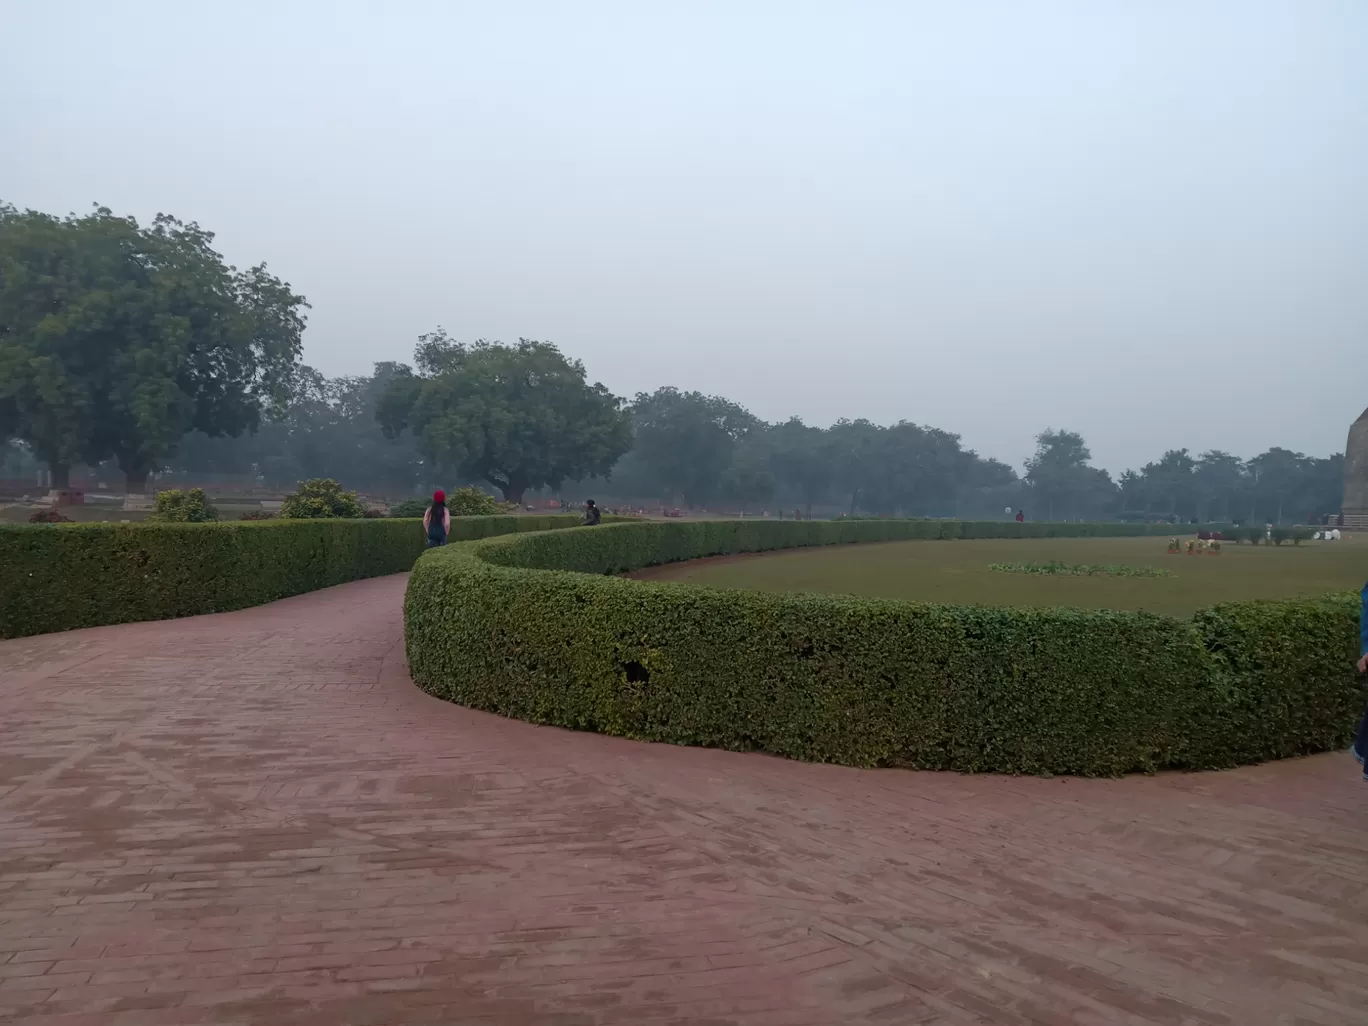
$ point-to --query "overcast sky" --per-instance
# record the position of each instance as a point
(1147, 222)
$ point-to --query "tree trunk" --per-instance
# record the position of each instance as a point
(60, 474)
(136, 480)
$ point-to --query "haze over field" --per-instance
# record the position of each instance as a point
(1147, 223)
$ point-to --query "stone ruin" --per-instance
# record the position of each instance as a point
(1355, 508)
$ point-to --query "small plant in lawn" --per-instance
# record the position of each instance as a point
(1081, 569)
(321, 498)
(48, 516)
(256, 514)
(177, 507)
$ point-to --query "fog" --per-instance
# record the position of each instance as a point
(1144, 222)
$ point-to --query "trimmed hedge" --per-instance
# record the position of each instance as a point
(500, 625)
(57, 577)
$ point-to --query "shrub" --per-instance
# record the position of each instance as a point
(463, 502)
(48, 516)
(1280, 535)
(1299, 535)
(499, 625)
(256, 514)
(471, 502)
(85, 575)
(410, 508)
(320, 498)
(177, 507)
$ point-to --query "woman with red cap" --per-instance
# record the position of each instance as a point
(437, 520)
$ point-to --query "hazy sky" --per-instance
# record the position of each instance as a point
(1144, 221)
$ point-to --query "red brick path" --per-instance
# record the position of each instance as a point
(255, 818)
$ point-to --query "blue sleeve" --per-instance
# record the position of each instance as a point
(1363, 623)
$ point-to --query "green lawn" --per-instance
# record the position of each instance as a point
(957, 572)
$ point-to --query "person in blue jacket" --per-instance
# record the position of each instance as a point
(1360, 748)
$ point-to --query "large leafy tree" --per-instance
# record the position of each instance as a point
(116, 340)
(688, 440)
(518, 417)
(1062, 480)
(803, 460)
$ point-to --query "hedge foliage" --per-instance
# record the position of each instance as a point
(55, 577)
(500, 625)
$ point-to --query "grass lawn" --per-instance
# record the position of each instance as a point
(957, 572)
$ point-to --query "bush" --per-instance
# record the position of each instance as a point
(1280, 534)
(471, 502)
(410, 508)
(256, 514)
(321, 498)
(178, 507)
(499, 625)
(85, 575)
(463, 502)
(48, 516)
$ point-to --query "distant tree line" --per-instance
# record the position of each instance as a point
(136, 350)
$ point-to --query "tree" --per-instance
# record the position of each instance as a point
(1218, 479)
(518, 417)
(1061, 479)
(687, 441)
(803, 460)
(117, 340)
(749, 479)
(1170, 483)
(1277, 477)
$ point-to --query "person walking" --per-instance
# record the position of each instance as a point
(591, 514)
(437, 520)
(1021, 516)
(1360, 748)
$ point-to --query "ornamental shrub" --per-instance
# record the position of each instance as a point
(534, 626)
(410, 508)
(471, 502)
(320, 498)
(177, 507)
(54, 578)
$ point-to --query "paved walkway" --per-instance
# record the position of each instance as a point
(255, 818)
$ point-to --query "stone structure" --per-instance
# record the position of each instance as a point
(1356, 475)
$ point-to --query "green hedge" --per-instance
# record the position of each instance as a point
(55, 577)
(500, 625)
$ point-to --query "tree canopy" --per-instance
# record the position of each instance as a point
(117, 340)
(518, 417)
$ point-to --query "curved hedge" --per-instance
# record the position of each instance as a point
(500, 625)
(55, 577)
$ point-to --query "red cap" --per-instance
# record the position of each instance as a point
(439, 496)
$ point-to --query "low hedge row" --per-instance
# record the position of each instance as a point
(55, 577)
(500, 625)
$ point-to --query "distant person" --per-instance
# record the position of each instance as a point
(1360, 748)
(437, 520)
(591, 514)
(1021, 516)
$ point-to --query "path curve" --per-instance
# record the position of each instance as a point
(255, 818)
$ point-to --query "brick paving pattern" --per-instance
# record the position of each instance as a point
(255, 818)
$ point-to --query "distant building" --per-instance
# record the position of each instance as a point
(1355, 507)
